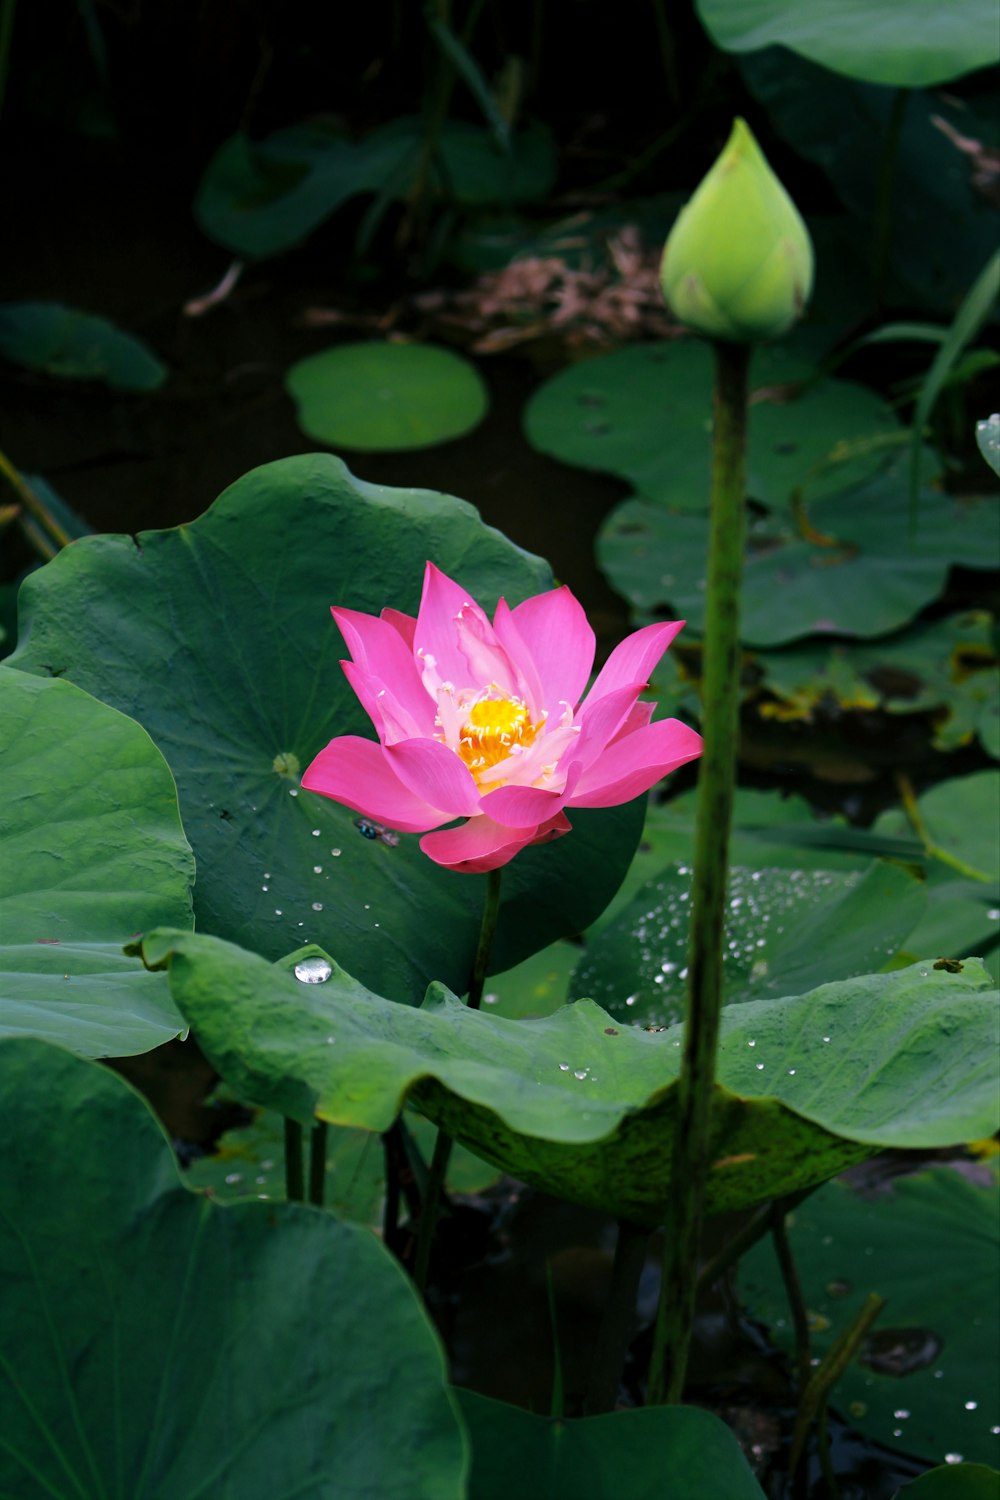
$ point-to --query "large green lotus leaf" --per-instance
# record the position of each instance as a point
(154, 1343)
(927, 1379)
(644, 413)
(866, 579)
(260, 198)
(473, 170)
(959, 820)
(910, 45)
(680, 1452)
(77, 346)
(769, 830)
(585, 1108)
(91, 852)
(942, 225)
(217, 637)
(385, 397)
(786, 930)
(954, 1482)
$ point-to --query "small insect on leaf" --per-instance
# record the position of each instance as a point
(949, 965)
(372, 830)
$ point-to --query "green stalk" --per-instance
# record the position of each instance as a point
(443, 1144)
(813, 1401)
(793, 1290)
(716, 777)
(34, 504)
(294, 1181)
(618, 1319)
(317, 1163)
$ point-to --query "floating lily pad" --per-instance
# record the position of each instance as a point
(644, 413)
(959, 818)
(606, 1457)
(861, 577)
(76, 345)
(926, 1380)
(385, 397)
(879, 41)
(786, 930)
(153, 1343)
(91, 852)
(583, 1107)
(217, 637)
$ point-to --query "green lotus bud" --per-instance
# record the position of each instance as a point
(738, 263)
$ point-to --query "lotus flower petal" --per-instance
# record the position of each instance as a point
(489, 722)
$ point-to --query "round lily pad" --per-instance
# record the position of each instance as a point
(217, 637)
(926, 1379)
(91, 852)
(386, 397)
(154, 1343)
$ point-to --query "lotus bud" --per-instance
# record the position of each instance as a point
(738, 263)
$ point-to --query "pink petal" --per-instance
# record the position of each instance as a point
(355, 772)
(529, 683)
(453, 629)
(404, 624)
(436, 774)
(379, 649)
(602, 720)
(391, 719)
(556, 632)
(633, 763)
(632, 661)
(519, 806)
(480, 844)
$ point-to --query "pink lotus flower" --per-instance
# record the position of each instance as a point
(484, 722)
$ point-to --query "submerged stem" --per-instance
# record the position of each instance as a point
(716, 777)
(443, 1144)
(317, 1163)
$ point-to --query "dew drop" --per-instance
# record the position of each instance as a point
(901, 1415)
(631, 999)
(335, 853)
(278, 912)
(564, 1067)
(580, 1073)
(330, 1041)
(293, 791)
(760, 1067)
(316, 906)
(953, 1458)
(791, 1072)
(751, 1044)
(315, 833)
(313, 970)
(232, 1177)
(971, 1405)
(826, 1039)
(317, 869)
(265, 887)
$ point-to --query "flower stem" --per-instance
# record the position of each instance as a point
(317, 1163)
(443, 1144)
(294, 1181)
(618, 1319)
(812, 1403)
(716, 777)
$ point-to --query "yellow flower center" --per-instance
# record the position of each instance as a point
(494, 727)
